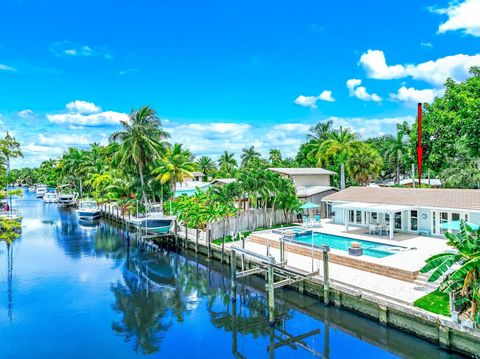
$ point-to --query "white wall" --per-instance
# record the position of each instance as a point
(311, 180)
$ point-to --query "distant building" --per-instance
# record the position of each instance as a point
(223, 181)
(197, 176)
(407, 182)
(408, 210)
(312, 184)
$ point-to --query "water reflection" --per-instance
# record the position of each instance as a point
(164, 304)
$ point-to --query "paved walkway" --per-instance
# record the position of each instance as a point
(394, 289)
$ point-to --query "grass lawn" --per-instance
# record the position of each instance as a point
(435, 302)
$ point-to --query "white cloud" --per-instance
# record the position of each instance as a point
(6, 68)
(52, 151)
(360, 92)
(412, 95)
(375, 65)
(96, 119)
(26, 113)
(71, 49)
(370, 127)
(83, 107)
(434, 71)
(82, 113)
(461, 16)
(63, 139)
(311, 101)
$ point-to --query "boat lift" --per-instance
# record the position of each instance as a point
(266, 264)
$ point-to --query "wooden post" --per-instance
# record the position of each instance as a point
(326, 280)
(176, 233)
(282, 249)
(185, 245)
(196, 240)
(233, 274)
(271, 294)
(209, 240)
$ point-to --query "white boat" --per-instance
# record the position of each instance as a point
(41, 190)
(50, 197)
(88, 209)
(32, 189)
(67, 199)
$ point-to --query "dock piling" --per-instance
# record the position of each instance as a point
(233, 275)
(326, 285)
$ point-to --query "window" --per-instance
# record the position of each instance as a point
(398, 220)
(434, 222)
(455, 216)
(413, 220)
(351, 216)
(443, 219)
(358, 216)
(374, 217)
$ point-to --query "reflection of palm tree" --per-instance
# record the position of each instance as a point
(10, 279)
(143, 314)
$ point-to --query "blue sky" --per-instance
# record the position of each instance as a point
(224, 74)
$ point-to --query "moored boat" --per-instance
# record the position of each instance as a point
(67, 199)
(41, 190)
(88, 209)
(50, 197)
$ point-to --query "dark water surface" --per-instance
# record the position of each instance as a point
(69, 290)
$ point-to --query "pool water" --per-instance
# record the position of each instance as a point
(371, 249)
(76, 290)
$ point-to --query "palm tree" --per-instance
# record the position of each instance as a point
(174, 166)
(141, 139)
(340, 144)
(275, 156)
(248, 154)
(227, 159)
(464, 266)
(320, 131)
(206, 165)
(364, 164)
(396, 149)
(72, 166)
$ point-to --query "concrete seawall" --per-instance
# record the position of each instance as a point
(435, 328)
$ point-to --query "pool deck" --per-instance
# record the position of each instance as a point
(383, 285)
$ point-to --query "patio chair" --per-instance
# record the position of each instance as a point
(318, 220)
(372, 228)
(305, 220)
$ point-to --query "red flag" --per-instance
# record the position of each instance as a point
(419, 144)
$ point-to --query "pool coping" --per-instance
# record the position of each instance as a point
(365, 263)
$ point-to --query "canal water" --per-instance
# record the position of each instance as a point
(79, 290)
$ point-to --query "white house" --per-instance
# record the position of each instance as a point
(408, 210)
(312, 184)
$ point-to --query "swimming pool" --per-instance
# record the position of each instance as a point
(371, 249)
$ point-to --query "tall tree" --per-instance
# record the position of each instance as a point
(396, 150)
(227, 163)
(141, 139)
(339, 145)
(175, 165)
(249, 154)
(206, 165)
(275, 156)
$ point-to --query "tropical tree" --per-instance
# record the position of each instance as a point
(320, 131)
(364, 164)
(460, 268)
(227, 164)
(397, 148)
(141, 139)
(206, 165)
(275, 156)
(174, 166)
(249, 154)
(72, 167)
(339, 145)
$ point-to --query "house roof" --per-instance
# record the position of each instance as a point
(302, 171)
(308, 191)
(467, 199)
(224, 180)
(198, 174)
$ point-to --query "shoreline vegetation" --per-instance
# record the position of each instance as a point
(140, 166)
